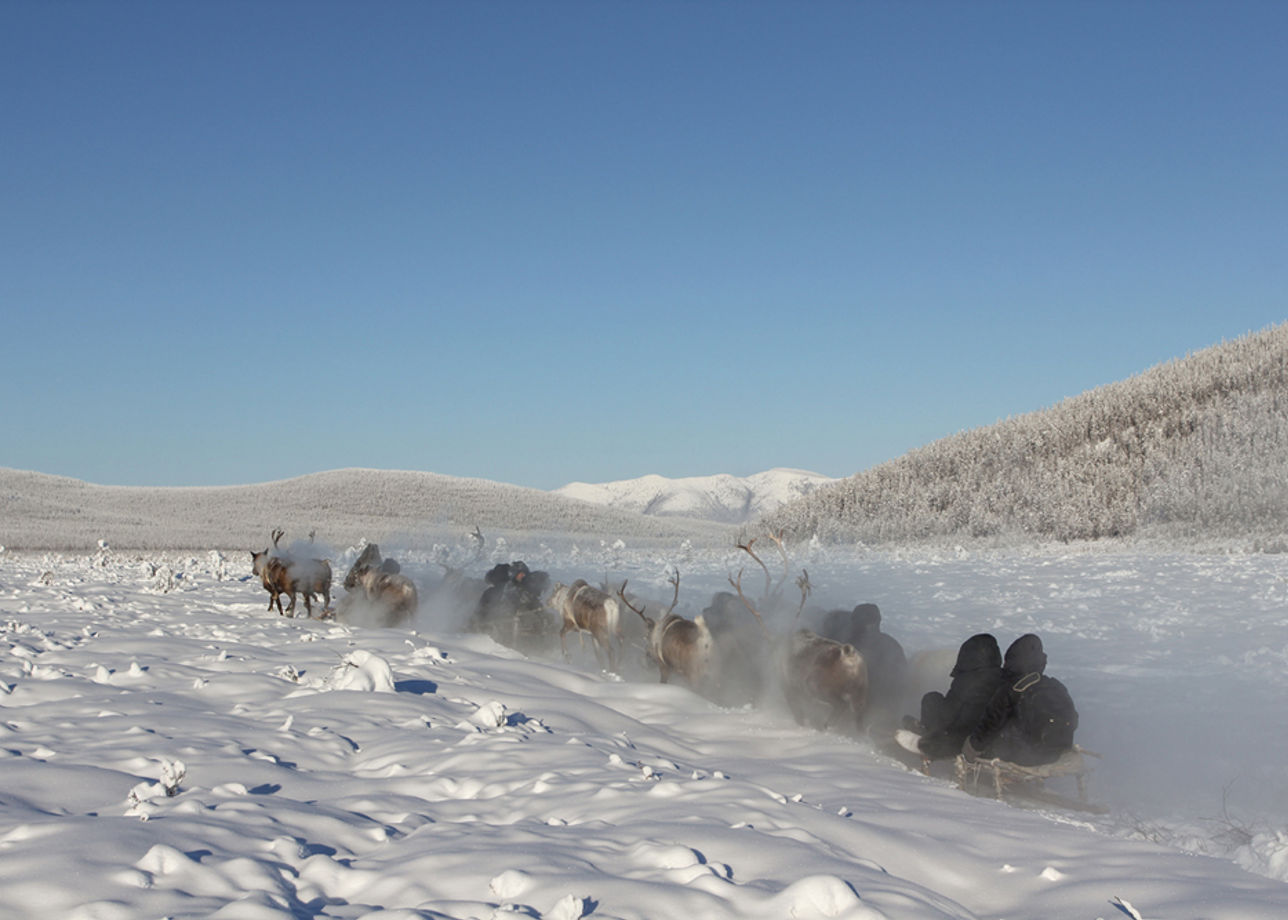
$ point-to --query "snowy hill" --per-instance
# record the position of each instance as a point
(38, 511)
(722, 498)
(1196, 448)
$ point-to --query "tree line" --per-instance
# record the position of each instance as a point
(1194, 448)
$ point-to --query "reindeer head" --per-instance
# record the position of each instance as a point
(558, 594)
(354, 576)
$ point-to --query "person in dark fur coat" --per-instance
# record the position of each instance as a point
(1030, 719)
(948, 719)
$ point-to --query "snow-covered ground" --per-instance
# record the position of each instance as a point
(331, 770)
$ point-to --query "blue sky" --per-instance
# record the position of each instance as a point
(545, 242)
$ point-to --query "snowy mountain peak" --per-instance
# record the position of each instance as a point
(722, 498)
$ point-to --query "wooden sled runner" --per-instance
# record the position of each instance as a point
(1016, 781)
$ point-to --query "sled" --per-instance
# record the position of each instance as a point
(1010, 781)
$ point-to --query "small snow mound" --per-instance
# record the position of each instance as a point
(489, 715)
(569, 907)
(163, 860)
(819, 896)
(510, 884)
(431, 654)
(173, 773)
(160, 577)
(361, 670)
(1266, 854)
(664, 856)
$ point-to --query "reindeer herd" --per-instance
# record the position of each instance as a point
(726, 653)
(375, 585)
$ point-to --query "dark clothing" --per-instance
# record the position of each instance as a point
(850, 626)
(1030, 719)
(948, 719)
(887, 669)
(513, 589)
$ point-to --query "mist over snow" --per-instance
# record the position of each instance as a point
(722, 498)
(172, 749)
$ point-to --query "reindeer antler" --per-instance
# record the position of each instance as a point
(772, 590)
(804, 584)
(737, 586)
(278, 533)
(782, 551)
(621, 592)
(746, 548)
(675, 598)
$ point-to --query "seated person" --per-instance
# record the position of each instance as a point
(947, 719)
(1031, 718)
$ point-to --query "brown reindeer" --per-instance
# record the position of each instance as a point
(587, 609)
(825, 682)
(382, 588)
(312, 576)
(280, 574)
(676, 645)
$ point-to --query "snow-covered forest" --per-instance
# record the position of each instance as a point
(1195, 449)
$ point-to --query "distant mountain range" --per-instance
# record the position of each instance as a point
(722, 498)
(40, 511)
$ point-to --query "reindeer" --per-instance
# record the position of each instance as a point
(456, 591)
(587, 609)
(280, 574)
(382, 587)
(744, 648)
(676, 645)
(312, 576)
(274, 575)
(823, 680)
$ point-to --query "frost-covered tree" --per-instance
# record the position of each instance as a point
(1196, 447)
